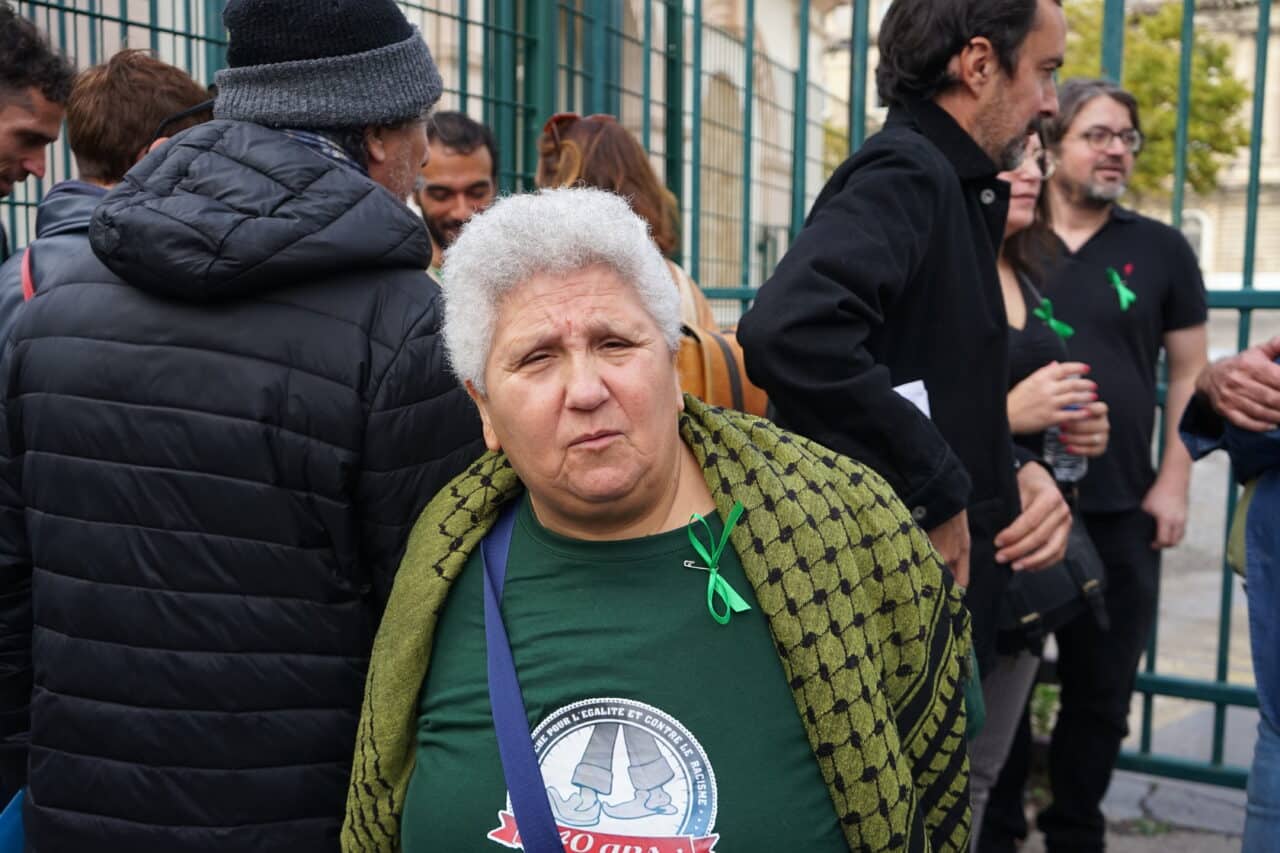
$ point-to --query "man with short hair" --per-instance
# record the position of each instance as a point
(892, 287)
(1130, 286)
(459, 180)
(221, 423)
(109, 128)
(34, 85)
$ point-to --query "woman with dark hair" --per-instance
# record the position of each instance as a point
(596, 151)
(1046, 391)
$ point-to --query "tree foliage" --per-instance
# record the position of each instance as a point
(1216, 129)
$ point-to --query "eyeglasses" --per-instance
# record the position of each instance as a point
(560, 121)
(1099, 138)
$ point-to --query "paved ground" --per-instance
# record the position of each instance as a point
(1150, 815)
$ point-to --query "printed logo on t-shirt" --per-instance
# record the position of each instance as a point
(622, 777)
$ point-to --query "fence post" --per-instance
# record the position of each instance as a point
(603, 58)
(748, 128)
(1255, 142)
(215, 46)
(673, 29)
(859, 44)
(500, 88)
(800, 127)
(695, 190)
(464, 56)
(539, 75)
(1184, 108)
(646, 76)
(1113, 40)
(1242, 342)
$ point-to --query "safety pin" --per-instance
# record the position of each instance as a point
(690, 564)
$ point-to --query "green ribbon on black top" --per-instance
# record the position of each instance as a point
(717, 586)
(1126, 295)
(1045, 313)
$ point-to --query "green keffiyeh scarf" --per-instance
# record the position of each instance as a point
(869, 627)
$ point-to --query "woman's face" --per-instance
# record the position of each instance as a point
(583, 395)
(1025, 182)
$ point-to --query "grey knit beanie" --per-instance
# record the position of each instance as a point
(320, 64)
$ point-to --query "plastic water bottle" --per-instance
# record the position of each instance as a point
(1067, 467)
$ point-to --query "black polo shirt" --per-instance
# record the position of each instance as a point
(1121, 345)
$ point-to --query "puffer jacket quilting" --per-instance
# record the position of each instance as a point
(219, 430)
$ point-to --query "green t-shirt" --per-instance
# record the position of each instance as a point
(655, 727)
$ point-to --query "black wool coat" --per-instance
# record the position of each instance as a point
(218, 432)
(893, 281)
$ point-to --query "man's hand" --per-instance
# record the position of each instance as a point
(1245, 388)
(1166, 502)
(1088, 436)
(1038, 537)
(951, 540)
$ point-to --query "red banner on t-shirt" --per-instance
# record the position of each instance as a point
(584, 841)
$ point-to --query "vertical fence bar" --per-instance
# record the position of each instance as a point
(695, 191)
(190, 46)
(1179, 182)
(500, 60)
(595, 30)
(646, 76)
(464, 56)
(1242, 334)
(748, 128)
(859, 43)
(215, 49)
(1184, 109)
(673, 29)
(539, 74)
(1255, 143)
(93, 33)
(153, 18)
(800, 127)
(1113, 39)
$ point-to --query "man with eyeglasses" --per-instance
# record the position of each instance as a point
(1130, 286)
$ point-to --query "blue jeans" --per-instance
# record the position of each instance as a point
(1262, 820)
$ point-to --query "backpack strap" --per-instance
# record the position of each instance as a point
(28, 280)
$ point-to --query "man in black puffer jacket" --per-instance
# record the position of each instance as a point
(220, 425)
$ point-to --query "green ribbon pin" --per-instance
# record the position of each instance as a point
(1045, 313)
(717, 586)
(1127, 296)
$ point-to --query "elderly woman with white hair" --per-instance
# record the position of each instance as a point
(640, 623)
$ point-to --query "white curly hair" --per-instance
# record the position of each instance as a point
(551, 232)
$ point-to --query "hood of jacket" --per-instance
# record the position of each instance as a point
(230, 208)
(68, 208)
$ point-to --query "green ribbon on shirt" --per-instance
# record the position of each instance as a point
(1045, 313)
(717, 586)
(1127, 296)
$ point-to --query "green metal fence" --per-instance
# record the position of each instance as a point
(1151, 683)
(742, 138)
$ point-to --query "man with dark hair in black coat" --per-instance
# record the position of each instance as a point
(892, 287)
(221, 424)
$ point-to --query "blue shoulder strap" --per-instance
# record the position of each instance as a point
(537, 826)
